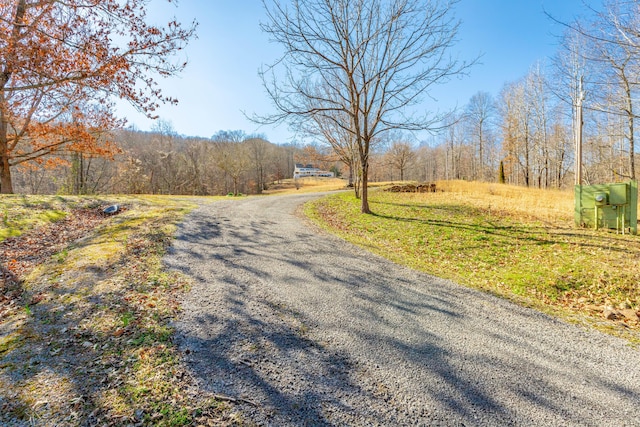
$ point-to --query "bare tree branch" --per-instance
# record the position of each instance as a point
(361, 66)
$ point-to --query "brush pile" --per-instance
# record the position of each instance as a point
(427, 187)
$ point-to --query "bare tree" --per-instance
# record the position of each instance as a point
(233, 159)
(526, 128)
(538, 99)
(571, 72)
(480, 112)
(610, 45)
(342, 142)
(229, 136)
(401, 156)
(363, 64)
(516, 133)
(622, 61)
(258, 149)
(431, 161)
(454, 148)
(560, 146)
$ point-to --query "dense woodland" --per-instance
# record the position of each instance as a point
(524, 135)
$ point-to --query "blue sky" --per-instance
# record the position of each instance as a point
(221, 80)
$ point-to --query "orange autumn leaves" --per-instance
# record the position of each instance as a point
(61, 64)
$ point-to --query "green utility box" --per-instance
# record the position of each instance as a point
(610, 206)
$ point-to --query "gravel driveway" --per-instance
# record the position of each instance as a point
(310, 330)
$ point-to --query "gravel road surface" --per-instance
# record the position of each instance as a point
(310, 330)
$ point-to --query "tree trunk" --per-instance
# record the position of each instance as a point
(561, 161)
(527, 170)
(365, 191)
(364, 161)
(354, 179)
(481, 154)
(6, 186)
(630, 119)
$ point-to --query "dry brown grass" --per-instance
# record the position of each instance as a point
(315, 185)
(307, 185)
(552, 206)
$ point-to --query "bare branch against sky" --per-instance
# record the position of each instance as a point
(363, 64)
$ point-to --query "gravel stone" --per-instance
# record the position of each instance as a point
(302, 328)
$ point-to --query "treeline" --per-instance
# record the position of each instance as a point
(162, 162)
(230, 162)
(526, 134)
(482, 143)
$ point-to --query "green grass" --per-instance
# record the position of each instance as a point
(9, 342)
(553, 267)
(16, 217)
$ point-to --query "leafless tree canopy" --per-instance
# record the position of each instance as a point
(362, 64)
(604, 53)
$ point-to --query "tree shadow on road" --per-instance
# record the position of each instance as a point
(314, 331)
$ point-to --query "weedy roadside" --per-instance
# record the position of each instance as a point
(85, 326)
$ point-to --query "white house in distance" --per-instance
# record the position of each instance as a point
(302, 171)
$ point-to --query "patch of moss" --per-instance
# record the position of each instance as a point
(9, 343)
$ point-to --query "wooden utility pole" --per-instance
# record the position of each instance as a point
(578, 134)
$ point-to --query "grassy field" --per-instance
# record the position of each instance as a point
(306, 185)
(85, 335)
(313, 185)
(514, 242)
